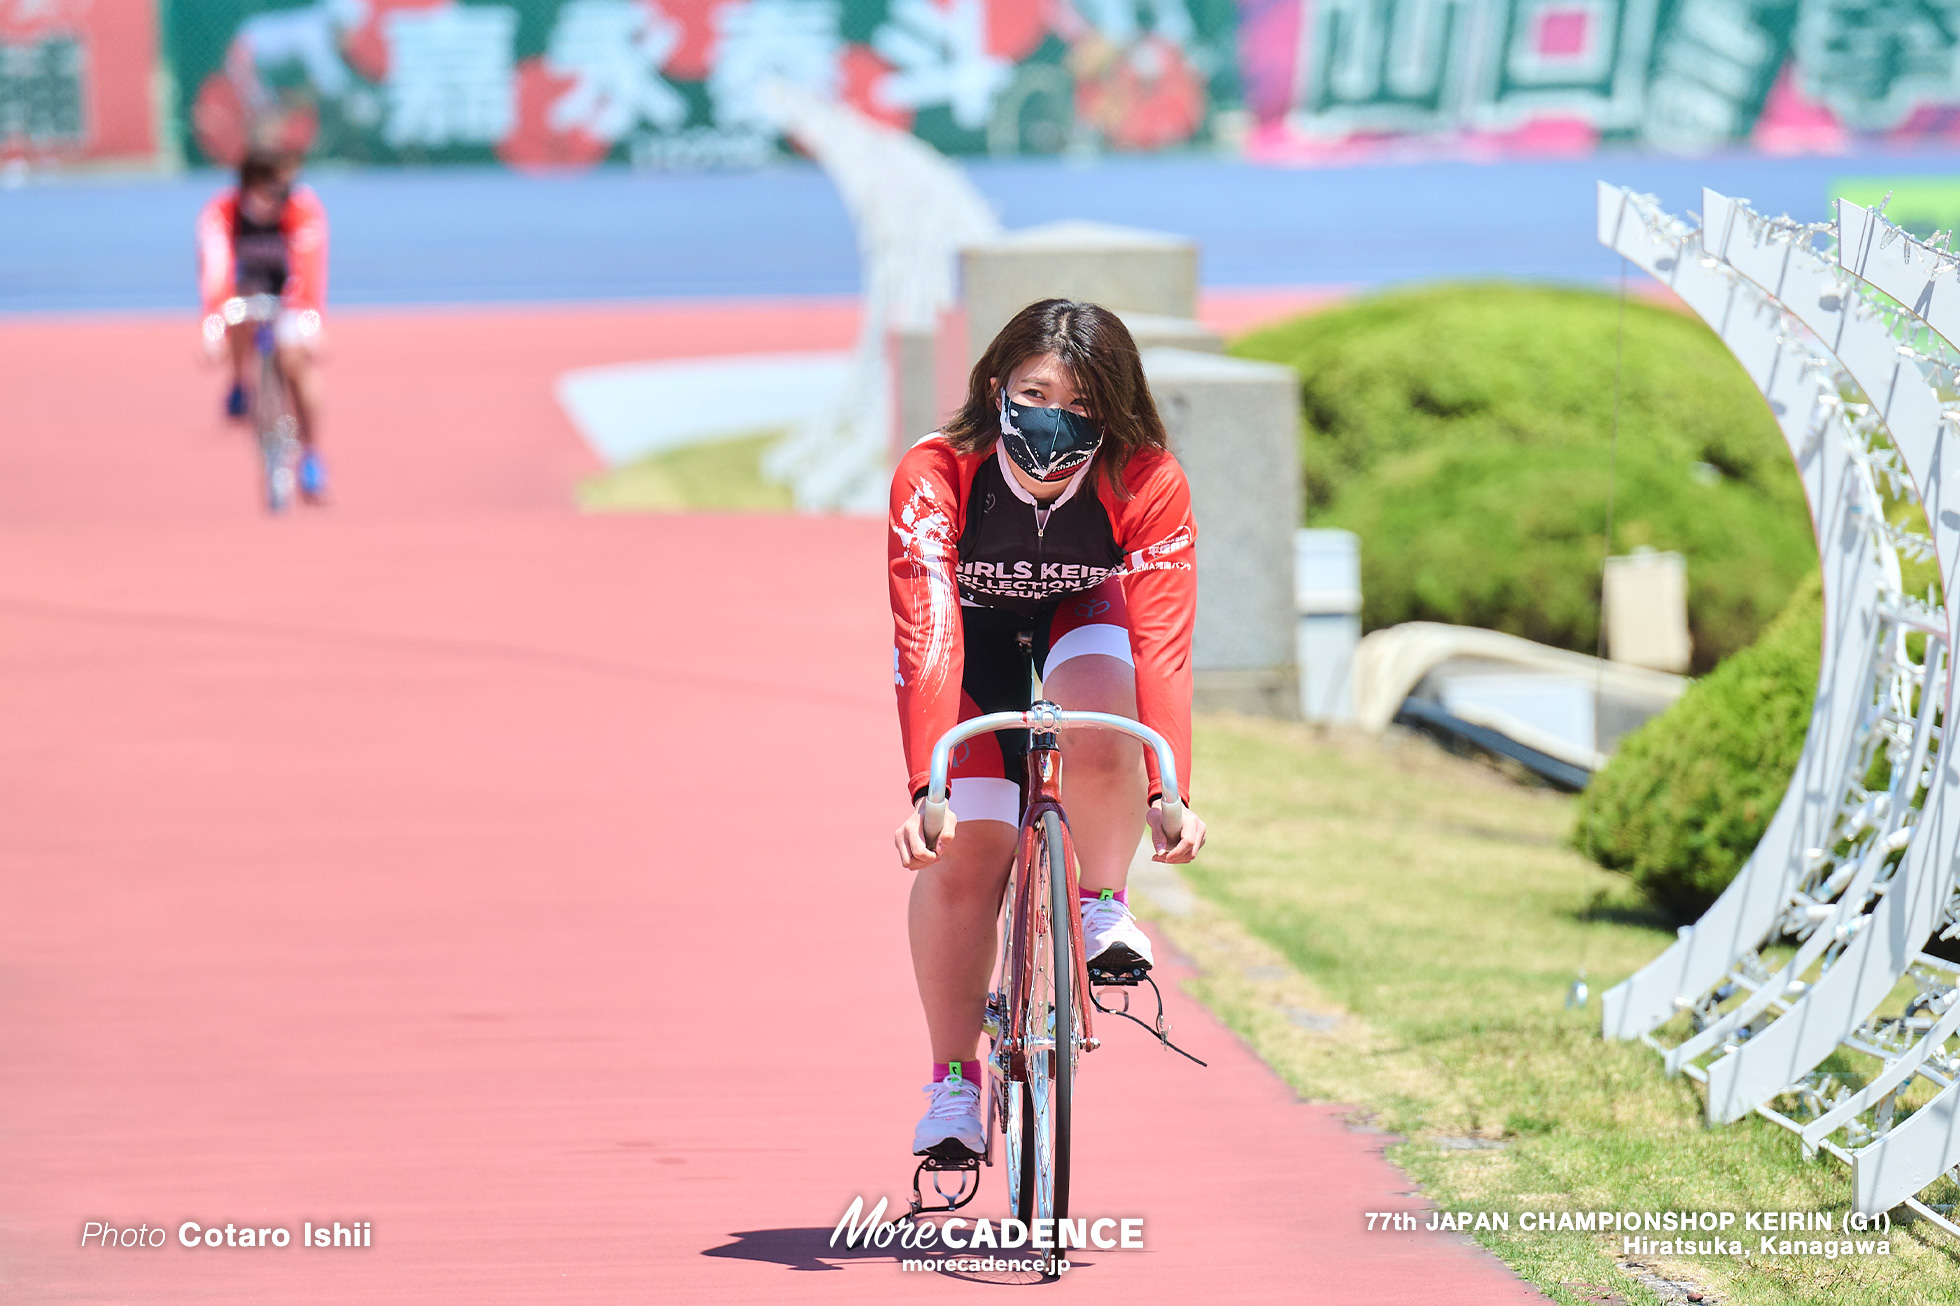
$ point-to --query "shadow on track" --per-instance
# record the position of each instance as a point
(811, 1249)
(798, 1249)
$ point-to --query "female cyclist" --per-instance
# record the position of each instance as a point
(268, 236)
(1046, 521)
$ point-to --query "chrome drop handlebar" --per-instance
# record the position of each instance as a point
(250, 308)
(1047, 718)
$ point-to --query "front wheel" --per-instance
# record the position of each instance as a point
(1062, 907)
(280, 455)
(278, 430)
(1039, 1110)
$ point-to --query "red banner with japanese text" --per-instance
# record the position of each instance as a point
(75, 79)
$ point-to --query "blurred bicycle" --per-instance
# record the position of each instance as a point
(272, 414)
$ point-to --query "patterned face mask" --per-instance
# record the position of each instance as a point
(1049, 444)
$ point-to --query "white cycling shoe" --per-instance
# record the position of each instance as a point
(952, 1129)
(1112, 937)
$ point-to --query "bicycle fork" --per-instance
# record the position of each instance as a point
(1044, 787)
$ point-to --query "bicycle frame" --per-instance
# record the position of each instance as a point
(1043, 721)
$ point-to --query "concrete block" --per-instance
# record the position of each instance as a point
(1118, 267)
(1235, 426)
(1325, 645)
(1327, 595)
(1647, 610)
(952, 367)
(915, 389)
(1155, 331)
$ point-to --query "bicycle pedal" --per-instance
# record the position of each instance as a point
(948, 1155)
(1127, 978)
(969, 1185)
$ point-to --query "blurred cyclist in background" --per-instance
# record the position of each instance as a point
(269, 237)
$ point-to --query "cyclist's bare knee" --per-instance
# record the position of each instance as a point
(1095, 752)
(977, 862)
(1096, 682)
(297, 363)
(1093, 682)
(239, 340)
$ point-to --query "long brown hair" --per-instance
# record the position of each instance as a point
(1097, 349)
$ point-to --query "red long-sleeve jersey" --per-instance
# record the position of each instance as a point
(962, 530)
(304, 224)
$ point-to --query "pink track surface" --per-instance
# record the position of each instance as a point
(512, 880)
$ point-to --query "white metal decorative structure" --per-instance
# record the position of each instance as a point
(1877, 950)
(913, 209)
(1860, 574)
(1893, 1158)
(1862, 902)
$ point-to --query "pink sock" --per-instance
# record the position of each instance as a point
(1090, 895)
(969, 1071)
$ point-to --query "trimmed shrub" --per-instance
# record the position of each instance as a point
(1464, 432)
(1489, 535)
(1683, 802)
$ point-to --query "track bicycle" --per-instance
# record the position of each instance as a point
(1037, 1016)
(274, 420)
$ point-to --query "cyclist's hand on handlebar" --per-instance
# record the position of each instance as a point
(1189, 839)
(211, 334)
(911, 840)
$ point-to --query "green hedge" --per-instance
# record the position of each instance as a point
(1463, 432)
(1684, 800)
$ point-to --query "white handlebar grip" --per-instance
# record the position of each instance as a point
(932, 814)
(1172, 813)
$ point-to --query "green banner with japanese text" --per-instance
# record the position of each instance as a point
(681, 82)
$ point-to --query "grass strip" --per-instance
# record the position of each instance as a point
(715, 476)
(1397, 929)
